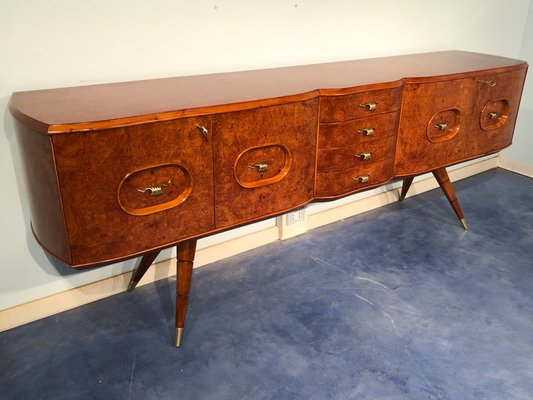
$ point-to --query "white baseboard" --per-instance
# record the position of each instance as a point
(420, 185)
(516, 166)
(72, 298)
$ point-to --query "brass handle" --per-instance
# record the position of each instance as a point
(492, 115)
(367, 131)
(261, 166)
(155, 190)
(490, 83)
(369, 106)
(203, 130)
(364, 156)
(362, 179)
(442, 126)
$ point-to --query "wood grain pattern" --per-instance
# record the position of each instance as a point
(124, 169)
(342, 108)
(334, 184)
(415, 153)
(343, 134)
(91, 167)
(470, 99)
(185, 259)
(446, 185)
(508, 88)
(129, 103)
(292, 126)
(330, 160)
(88, 149)
(46, 207)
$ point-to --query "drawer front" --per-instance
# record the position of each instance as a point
(331, 184)
(497, 100)
(356, 155)
(130, 189)
(264, 161)
(434, 125)
(359, 105)
(361, 130)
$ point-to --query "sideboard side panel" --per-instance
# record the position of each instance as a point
(47, 218)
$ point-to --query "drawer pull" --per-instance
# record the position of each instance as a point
(155, 190)
(367, 131)
(203, 130)
(261, 166)
(492, 115)
(442, 126)
(490, 83)
(369, 106)
(362, 179)
(364, 156)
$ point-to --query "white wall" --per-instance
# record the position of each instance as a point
(55, 43)
(522, 149)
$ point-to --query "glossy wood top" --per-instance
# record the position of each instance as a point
(119, 104)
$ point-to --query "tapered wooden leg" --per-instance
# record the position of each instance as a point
(405, 186)
(186, 253)
(143, 266)
(444, 182)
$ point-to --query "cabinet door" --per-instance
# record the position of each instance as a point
(132, 189)
(433, 125)
(495, 109)
(264, 161)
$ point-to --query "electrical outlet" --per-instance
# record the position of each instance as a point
(295, 216)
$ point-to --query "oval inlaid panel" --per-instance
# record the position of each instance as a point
(262, 165)
(444, 125)
(154, 189)
(494, 114)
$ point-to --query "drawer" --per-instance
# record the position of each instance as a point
(331, 184)
(129, 189)
(356, 155)
(364, 104)
(361, 130)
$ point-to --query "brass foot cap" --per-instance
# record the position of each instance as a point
(463, 222)
(179, 335)
(131, 286)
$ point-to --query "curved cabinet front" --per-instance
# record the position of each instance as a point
(433, 130)
(119, 170)
(130, 189)
(495, 110)
(356, 153)
(264, 161)
(446, 122)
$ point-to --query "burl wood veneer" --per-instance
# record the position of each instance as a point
(119, 170)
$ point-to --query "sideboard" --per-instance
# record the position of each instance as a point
(128, 169)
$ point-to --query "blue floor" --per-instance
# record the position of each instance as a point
(397, 303)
